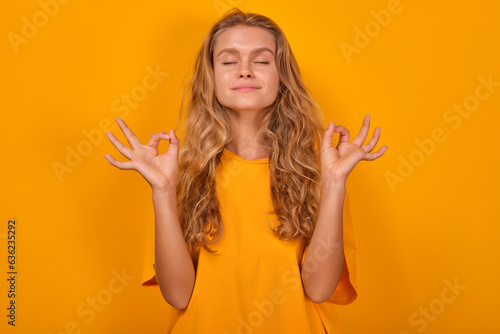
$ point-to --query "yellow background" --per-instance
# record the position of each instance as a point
(435, 225)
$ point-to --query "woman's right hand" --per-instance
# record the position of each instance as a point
(159, 170)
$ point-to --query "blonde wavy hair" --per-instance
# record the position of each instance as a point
(292, 129)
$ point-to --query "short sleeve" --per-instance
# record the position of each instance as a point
(346, 291)
(149, 273)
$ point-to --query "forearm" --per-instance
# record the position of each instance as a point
(324, 260)
(173, 264)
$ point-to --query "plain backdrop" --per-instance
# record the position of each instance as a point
(425, 215)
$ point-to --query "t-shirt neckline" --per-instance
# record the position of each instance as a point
(232, 155)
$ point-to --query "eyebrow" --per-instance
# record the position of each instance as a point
(258, 50)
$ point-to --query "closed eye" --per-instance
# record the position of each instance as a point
(258, 62)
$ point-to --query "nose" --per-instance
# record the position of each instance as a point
(244, 71)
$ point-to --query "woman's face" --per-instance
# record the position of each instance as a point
(246, 76)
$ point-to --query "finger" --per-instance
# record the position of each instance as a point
(328, 137)
(131, 138)
(173, 146)
(344, 133)
(376, 155)
(127, 152)
(373, 141)
(117, 163)
(156, 137)
(361, 137)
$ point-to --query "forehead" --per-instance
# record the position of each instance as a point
(244, 39)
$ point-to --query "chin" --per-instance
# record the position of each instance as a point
(246, 108)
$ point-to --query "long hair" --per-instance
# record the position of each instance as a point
(292, 128)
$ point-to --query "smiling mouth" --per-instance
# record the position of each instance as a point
(246, 89)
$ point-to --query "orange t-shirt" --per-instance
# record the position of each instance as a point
(252, 284)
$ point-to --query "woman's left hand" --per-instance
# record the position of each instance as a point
(338, 162)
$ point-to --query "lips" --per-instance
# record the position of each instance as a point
(245, 88)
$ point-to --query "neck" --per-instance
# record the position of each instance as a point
(245, 128)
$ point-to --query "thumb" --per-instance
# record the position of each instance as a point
(328, 137)
(173, 143)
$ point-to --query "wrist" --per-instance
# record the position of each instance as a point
(333, 185)
(167, 191)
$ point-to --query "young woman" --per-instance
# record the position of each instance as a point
(252, 226)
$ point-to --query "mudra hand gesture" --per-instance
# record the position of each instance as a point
(338, 162)
(159, 170)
